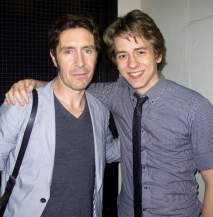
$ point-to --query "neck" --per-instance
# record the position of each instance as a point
(74, 101)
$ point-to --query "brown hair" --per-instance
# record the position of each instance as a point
(71, 21)
(134, 24)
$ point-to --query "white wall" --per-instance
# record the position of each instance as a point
(124, 6)
(187, 26)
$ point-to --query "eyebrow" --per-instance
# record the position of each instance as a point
(72, 47)
(136, 49)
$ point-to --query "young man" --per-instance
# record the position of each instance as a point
(176, 126)
(63, 167)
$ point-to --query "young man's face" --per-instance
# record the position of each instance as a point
(75, 58)
(137, 63)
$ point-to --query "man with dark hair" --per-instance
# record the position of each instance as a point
(63, 167)
(176, 127)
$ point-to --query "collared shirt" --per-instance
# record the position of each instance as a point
(176, 140)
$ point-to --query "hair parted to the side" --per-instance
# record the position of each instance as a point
(70, 21)
(134, 24)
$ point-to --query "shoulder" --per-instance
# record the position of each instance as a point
(189, 97)
(186, 92)
(17, 109)
(46, 88)
(14, 117)
(93, 101)
(97, 109)
(45, 93)
(106, 86)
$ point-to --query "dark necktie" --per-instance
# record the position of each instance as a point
(136, 140)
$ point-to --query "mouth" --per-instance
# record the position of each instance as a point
(136, 74)
(80, 70)
(79, 75)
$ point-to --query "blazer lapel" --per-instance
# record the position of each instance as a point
(46, 119)
(99, 146)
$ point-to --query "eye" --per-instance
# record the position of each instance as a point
(68, 51)
(88, 51)
(141, 52)
(121, 56)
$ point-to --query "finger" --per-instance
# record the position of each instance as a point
(25, 87)
(18, 95)
(19, 92)
(23, 94)
(7, 98)
(30, 85)
(10, 96)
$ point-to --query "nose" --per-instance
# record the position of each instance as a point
(79, 60)
(133, 62)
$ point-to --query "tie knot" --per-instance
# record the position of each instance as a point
(140, 100)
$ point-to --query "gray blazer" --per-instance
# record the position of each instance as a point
(35, 176)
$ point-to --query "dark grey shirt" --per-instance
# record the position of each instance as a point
(176, 139)
(73, 178)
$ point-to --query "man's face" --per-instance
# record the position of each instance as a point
(75, 58)
(137, 63)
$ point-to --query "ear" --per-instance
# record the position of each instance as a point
(159, 59)
(53, 59)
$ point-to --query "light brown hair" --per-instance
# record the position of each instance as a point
(134, 24)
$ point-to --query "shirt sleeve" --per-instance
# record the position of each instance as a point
(104, 92)
(112, 148)
(202, 134)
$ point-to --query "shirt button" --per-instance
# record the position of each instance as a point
(43, 200)
(144, 210)
(145, 188)
(143, 168)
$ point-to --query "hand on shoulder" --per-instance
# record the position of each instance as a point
(19, 91)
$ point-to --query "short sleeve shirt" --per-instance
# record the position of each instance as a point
(176, 140)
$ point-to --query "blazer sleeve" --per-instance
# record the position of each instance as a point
(12, 123)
